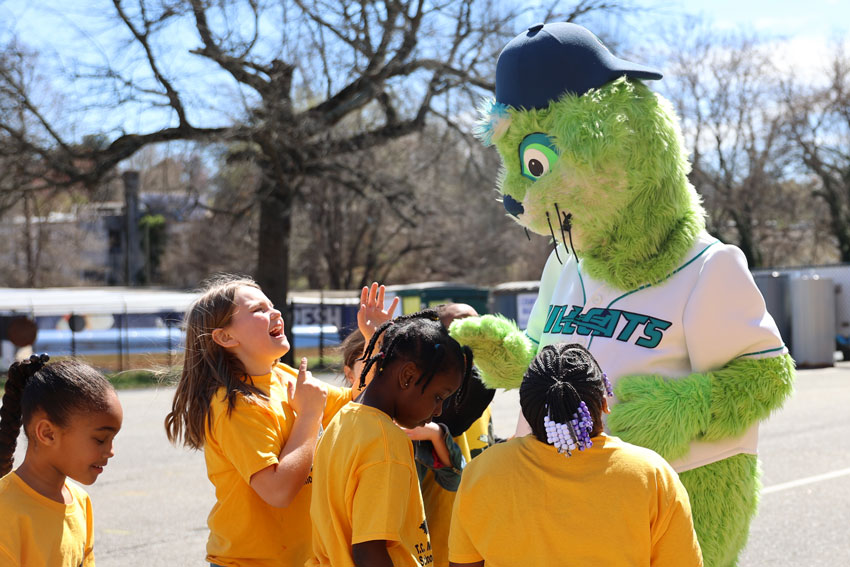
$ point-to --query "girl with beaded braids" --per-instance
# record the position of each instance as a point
(367, 508)
(70, 415)
(582, 497)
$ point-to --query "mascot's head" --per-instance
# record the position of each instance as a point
(589, 152)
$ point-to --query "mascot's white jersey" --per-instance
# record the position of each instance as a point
(705, 314)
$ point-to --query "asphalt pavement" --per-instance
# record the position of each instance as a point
(152, 501)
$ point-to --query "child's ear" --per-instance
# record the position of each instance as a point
(222, 338)
(348, 372)
(605, 408)
(407, 375)
(45, 431)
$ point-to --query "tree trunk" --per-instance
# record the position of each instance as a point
(273, 255)
(28, 243)
(833, 193)
(746, 240)
(841, 230)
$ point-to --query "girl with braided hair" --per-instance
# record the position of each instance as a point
(582, 497)
(70, 415)
(433, 439)
(367, 508)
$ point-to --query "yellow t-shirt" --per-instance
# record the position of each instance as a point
(39, 532)
(523, 503)
(365, 488)
(476, 438)
(438, 501)
(244, 529)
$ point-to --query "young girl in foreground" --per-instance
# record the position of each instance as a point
(367, 509)
(257, 421)
(590, 499)
(70, 415)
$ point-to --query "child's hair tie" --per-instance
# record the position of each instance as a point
(575, 434)
(39, 358)
(382, 354)
(608, 388)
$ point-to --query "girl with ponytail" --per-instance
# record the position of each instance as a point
(568, 494)
(70, 415)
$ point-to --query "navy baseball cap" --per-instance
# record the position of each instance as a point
(548, 60)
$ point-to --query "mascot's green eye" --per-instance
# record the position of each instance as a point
(537, 155)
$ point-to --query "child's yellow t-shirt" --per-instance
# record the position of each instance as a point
(40, 532)
(438, 501)
(523, 503)
(365, 488)
(244, 529)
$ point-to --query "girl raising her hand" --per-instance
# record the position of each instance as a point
(367, 508)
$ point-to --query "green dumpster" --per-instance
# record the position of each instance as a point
(417, 296)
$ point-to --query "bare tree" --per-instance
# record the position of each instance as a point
(301, 73)
(35, 201)
(819, 124)
(725, 89)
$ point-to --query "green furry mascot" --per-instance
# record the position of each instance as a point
(594, 159)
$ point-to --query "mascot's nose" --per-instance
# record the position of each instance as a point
(513, 206)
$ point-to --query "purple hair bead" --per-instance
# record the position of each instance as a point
(608, 388)
(574, 434)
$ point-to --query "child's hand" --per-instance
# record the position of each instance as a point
(428, 432)
(372, 313)
(437, 436)
(307, 395)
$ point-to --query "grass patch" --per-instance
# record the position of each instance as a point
(129, 378)
(134, 379)
(328, 363)
(164, 375)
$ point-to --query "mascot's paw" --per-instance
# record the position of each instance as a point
(502, 352)
(662, 415)
(746, 391)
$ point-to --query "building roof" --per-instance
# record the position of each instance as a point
(92, 300)
(110, 300)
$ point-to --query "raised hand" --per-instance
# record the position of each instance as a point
(307, 395)
(372, 313)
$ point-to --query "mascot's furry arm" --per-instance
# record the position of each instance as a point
(502, 351)
(666, 415)
(662, 414)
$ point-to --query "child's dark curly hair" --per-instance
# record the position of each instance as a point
(423, 340)
(559, 378)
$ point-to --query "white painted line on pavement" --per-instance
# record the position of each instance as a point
(804, 481)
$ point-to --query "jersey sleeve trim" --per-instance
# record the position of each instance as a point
(581, 281)
(780, 348)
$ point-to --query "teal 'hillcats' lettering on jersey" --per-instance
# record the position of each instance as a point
(603, 322)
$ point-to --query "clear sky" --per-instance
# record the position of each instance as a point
(815, 18)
